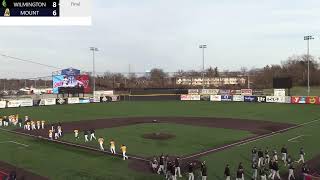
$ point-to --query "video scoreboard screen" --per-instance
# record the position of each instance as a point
(45, 12)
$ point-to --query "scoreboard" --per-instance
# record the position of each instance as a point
(45, 12)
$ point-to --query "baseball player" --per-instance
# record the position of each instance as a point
(267, 156)
(59, 130)
(190, 171)
(112, 146)
(92, 131)
(38, 125)
(254, 154)
(260, 158)
(33, 125)
(19, 121)
(42, 124)
(86, 136)
(177, 167)
(305, 171)
(56, 135)
(262, 172)
(101, 140)
(166, 159)
(28, 126)
(275, 155)
(5, 121)
(161, 164)
(173, 172)
(302, 154)
(227, 172)
(168, 169)
(271, 168)
(255, 170)
(1, 121)
(76, 134)
(154, 164)
(276, 170)
(240, 167)
(284, 152)
(239, 174)
(291, 171)
(124, 150)
(50, 134)
(204, 170)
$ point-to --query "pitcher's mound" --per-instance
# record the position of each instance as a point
(158, 136)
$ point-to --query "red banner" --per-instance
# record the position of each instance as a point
(313, 100)
(298, 99)
(83, 80)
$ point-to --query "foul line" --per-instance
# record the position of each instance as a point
(250, 140)
(295, 138)
(14, 142)
(73, 145)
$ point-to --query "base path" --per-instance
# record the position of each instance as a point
(21, 173)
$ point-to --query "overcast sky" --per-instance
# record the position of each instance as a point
(166, 34)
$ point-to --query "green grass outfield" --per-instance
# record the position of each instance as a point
(61, 163)
(189, 139)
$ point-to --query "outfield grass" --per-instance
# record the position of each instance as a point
(61, 163)
(259, 111)
(189, 139)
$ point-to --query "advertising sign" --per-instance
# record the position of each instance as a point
(13, 103)
(276, 99)
(246, 92)
(225, 91)
(261, 98)
(26, 102)
(209, 91)
(279, 92)
(250, 99)
(95, 99)
(188, 97)
(49, 101)
(70, 72)
(298, 100)
(215, 98)
(238, 98)
(235, 92)
(313, 100)
(61, 101)
(84, 100)
(70, 81)
(73, 100)
(3, 104)
(193, 91)
(226, 98)
(288, 100)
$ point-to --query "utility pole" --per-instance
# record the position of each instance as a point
(203, 46)
(308, 38)
(93, 49)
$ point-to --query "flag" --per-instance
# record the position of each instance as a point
(4, 3)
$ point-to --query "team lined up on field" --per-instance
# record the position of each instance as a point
(16, 120)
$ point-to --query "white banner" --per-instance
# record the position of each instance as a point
(193, 91)
(73, 100)
(246, 92)
(13, 103)
(115, 98)
(3, 104)
(276, 99)
(209, 91)
(26, 102)
(238, 98)
(215, 98)
(188, 97)
(103, 93)
(49, 101)
(279, 92)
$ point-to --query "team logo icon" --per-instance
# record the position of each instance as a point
(7, 12)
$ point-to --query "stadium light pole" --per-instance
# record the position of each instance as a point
(93, 49)
(308, 38)
(203, 46)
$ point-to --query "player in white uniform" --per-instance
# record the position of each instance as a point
(101, 140)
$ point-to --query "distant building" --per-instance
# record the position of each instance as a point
(216, 81)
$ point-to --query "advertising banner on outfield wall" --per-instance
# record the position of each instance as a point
(313, 100)
(224, 91)
(26, 102)
(235, 92)
(250, 99)
(13, 103)
(189, 97)
(209, 91)
(226, 98)
(237, 98)
(84, 100)
(49, 101)
(193, 91)
(205, 97)
(288, 100)
(215, 98)
(246, 92)
(3, 104)
(298, 99)
(261, 98)
(276, 99)
(95, 99)
(73, 100)
(279, 92)
(61, 101)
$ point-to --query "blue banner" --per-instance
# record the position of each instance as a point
(226, 98)
(70, 72)
(57, 82)
(250, 99)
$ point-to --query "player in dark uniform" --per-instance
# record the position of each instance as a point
(240, 167)
(254, 170)
(168, 169)
(20, 121)
(254, 154)
(227, 172)
(204, 170)
(305, 171)
(92, 136)
(260, 156)
(267, 156)
(177, 167)
(161, 164)
(190, 171)
(271, 168)
(86, 133)
(239, 174)
(302, 154)
(284, 152)
(154, 164)
(263, 173)
(291, 171)
(173, 172)
(276, 170)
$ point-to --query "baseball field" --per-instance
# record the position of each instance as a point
(218, 133)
